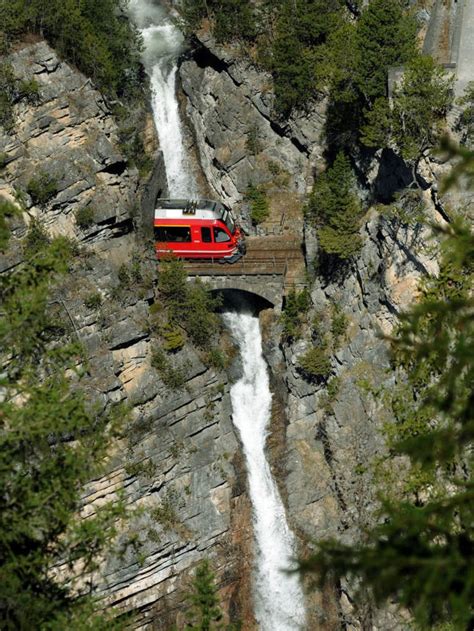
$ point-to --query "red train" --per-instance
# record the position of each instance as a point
(197, 229)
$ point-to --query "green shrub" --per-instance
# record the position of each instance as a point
(42, 188)
(93, 300)
(258, 201)
(335, 210)
(37, 238)
(295, 308)
(315, 363)
(29, 90)
(339, 324)
(216, 358)
(173, 338)
(190, 305)
(7, 211)
(173, 378)
(84, 217)
(3, 159)
(253, 143)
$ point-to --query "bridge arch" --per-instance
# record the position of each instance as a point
(265, 291)
(243, 299)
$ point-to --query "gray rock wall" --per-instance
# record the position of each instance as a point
(178, 461)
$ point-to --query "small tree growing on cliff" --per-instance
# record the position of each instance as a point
(205, 613)
(336, 210)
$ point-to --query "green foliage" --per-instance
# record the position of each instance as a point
(42, 188)
(253, 144)
(37, 239)
(51, 444)
(230, 19)
(258, 201)
(94, 36)
(7, 211)
(174, 377)
(93, 300)
(422, 552)
(84, 217)
(315, 363)
(216, 358)
(205, 613)
(466, 118)
(189, 305)
(294, 312)
(173, 338)
(165, 513)
(301, 28)
(335, 210)
(385, 37)
(420, 105)
(131, 143)
(339, 324)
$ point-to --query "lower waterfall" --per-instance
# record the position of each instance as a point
(279, 600)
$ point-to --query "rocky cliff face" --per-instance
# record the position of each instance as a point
(323, 439)
(179, 460)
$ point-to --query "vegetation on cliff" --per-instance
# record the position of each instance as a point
(94, 36)
(421, 551)
(335, 210)
(52, 444)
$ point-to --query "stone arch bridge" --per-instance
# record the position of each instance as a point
(271, 267)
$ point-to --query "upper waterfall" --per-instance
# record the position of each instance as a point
(163, 43)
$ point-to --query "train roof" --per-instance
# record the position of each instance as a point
(189, 209)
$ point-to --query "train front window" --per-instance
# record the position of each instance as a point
(173, 234)
(228, 220)
(220, 236)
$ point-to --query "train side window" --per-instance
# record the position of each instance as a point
(220, 236)
(173, 234)
(206, 235)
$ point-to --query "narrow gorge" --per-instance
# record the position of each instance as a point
(251, 410)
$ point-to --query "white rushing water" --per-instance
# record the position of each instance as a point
(279, 600)
(163, 43)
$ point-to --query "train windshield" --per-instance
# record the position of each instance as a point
(228, 220)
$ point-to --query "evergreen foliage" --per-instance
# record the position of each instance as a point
(7, 211)
(301, 28)
(42, 188)
(259, 207)
(336, 210)
(51, 444)
(294, 311)
(385, 37)
(189, 305)
(95, 36)
(230, 19)
(420, 104)
(315, 363)
(466, 119)
(422, 551)
(14, 90)
(205, 613)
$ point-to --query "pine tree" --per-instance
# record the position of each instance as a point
(205, 613)
(336, 210)
(385, 37)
